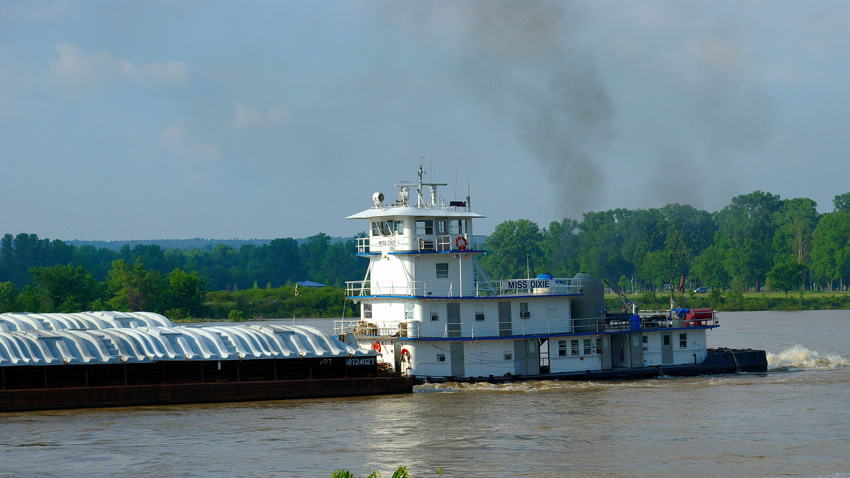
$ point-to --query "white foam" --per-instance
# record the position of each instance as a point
(801, 358)
(532, 386)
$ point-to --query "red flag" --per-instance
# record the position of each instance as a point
(682, 285)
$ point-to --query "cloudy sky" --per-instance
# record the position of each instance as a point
(153, 120)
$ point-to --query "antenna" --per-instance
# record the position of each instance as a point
(457, 166)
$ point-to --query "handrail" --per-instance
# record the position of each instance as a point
(518, 327)
(443, 288)
(420, 243)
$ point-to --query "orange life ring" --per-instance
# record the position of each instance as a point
(405, 355)
(376, 347)
(461, 243)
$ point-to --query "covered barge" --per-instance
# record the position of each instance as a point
(100, 359)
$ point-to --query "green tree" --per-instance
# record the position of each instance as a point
(68, 288)
(136, 288)
(831, 248)
(560, 247)
(745, 227)
(186, 292)
(842, 202)
(8, 297)
(795, 221)
(710, 268)
(514, 250)
(785, 276)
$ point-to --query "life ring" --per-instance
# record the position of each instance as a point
(376, 347)
(461, 243)
(405, 355)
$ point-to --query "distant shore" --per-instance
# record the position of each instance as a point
(737, 301)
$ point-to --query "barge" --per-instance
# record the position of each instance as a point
(108, 359)
(430, 310)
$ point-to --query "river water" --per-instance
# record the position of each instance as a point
(792, 421)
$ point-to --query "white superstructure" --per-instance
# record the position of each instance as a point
(429, 309)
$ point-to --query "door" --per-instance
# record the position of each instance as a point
(456, 349)
(533, 349)
(527, 357)
(636, 350)
(666, 348)
(505, 319)
(453, 319)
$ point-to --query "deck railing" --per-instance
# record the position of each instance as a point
(444, 288)
(519, 327)
(413, 244)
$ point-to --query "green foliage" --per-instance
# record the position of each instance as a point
(236, 316)
(135, 289)
(785, 276)
(8, 297)
(755, 240)
(186, 292)
(66, 288)
(514, 249)
(401, 472)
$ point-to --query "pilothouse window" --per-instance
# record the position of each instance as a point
(442, 227)
(424, 227)
(458, 226)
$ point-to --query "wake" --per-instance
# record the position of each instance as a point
(800, 358)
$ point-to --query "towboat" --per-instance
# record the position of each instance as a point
(429, 309)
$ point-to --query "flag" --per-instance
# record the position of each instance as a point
(682, 285)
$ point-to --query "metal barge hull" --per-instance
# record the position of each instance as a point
(718, 362)
(172, 394)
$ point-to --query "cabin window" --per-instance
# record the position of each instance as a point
(683, 340)
(645, 343)
(435, 315)
(562, 348)
(389, 228)
(408, 311)
(367, 311)
(441, 357)
(479, 312)
(442, 270)
(523, 310)
(574, 347)
(666, 339)
(509, 356)
(376, 228)
(457, 226)
(599, 346)
(587, 347)
(553, 309)
(424, 227)
(442, 227)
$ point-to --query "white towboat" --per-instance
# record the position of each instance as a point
(429, 309)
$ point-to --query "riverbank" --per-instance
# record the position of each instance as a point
(740, 302)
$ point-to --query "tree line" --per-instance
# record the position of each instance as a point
(43, 275)
(759, 240)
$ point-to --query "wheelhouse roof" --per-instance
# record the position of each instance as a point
(387, 212)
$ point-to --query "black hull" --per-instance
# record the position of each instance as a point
(170, 394)
(718, 362)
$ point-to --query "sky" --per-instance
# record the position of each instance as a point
(166, 120)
